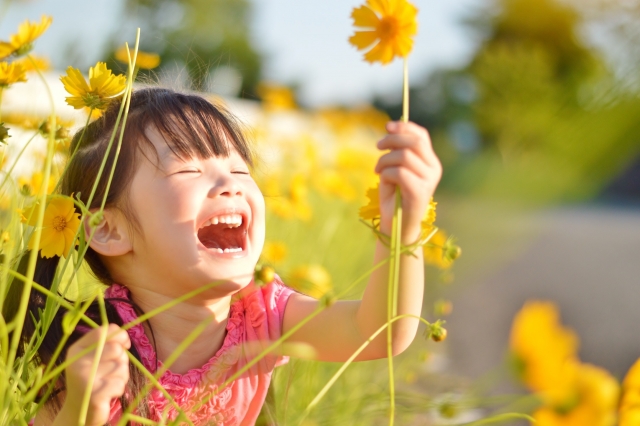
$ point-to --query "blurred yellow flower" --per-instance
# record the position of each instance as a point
(438, 250)
(274, 252)
(21, 43)
(59, 226)
(294, 205)
(388, 25)
(629, 414)
(592, 402)
(333, 183)
(372, 210)
(545, 351)
(144, 60)
(312, 280)
(33, 63)
(102, 88)
(33, 185)
(276, 97)
(11, 73)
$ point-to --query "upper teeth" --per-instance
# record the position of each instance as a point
(233, 220)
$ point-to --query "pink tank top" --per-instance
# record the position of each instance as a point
(254, 321)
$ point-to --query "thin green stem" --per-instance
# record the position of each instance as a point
(167, 364)
(15, 162)
(405, 90)
(84, 130)
(351, 359)
(84, 407)
(500, 418)
(392, 295)
(26, 290)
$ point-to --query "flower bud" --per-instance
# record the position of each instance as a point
(451, 251)
(96, 219)
(436, 331)
(4, 133)
(263, 275)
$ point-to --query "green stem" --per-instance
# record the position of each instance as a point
(31, 266)
(351, 359)
(405, 91)
(84, 407)
(15, 162)
(394, 265)
(500, 418)
(392, 295)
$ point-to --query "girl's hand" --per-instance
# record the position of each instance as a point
(109, 382)
(411, 165)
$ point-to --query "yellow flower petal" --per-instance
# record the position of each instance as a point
(364, 17)
(144, 60)
(102, 88)
(54, 247)
(6, 49)
(11, 73)
(392, 23)
(27, 33)
(381, 52)
(363, 39)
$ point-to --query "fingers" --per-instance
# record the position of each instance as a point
(409, 136)
(405, 158)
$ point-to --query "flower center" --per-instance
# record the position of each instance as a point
(388, 27)
(59, 223)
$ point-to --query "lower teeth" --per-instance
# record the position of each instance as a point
(230, 250)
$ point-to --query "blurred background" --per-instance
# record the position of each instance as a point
(533, 107)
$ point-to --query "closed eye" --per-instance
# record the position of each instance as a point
(188, 171)
(240, 172)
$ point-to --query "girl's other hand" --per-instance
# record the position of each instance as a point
(411, 165)
(109, 382)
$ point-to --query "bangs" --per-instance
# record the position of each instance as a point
(191, 125)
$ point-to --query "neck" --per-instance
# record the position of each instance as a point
(173, 325)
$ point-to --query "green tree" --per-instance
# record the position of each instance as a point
(204, 35)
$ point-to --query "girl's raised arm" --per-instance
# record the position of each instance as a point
(338, 331)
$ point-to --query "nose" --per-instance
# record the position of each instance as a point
(225, 186)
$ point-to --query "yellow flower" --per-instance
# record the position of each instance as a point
(437, 251)
(33, 63)
(102, 88)
(388, 25)
(333, 183)
(276, 97)
(630, 402)
(545, 351)
(11, 73)
(144, 60)
(372, 210)
(33, 185)
(312, 280)
(295, 205)
(593, 401)
(21, 43)
(59, 226)
(274, 252)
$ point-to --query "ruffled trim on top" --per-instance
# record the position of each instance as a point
(224, 358)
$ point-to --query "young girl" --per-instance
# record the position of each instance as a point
(183, 211)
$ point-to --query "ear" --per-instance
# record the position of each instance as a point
(110, 235)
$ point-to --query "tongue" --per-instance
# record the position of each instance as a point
(221, 237)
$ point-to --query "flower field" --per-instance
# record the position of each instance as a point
(315, 168)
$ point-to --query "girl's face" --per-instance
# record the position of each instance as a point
(202, 220)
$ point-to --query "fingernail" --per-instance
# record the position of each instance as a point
(391, 126)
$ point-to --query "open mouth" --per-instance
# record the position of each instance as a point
(224, 233)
